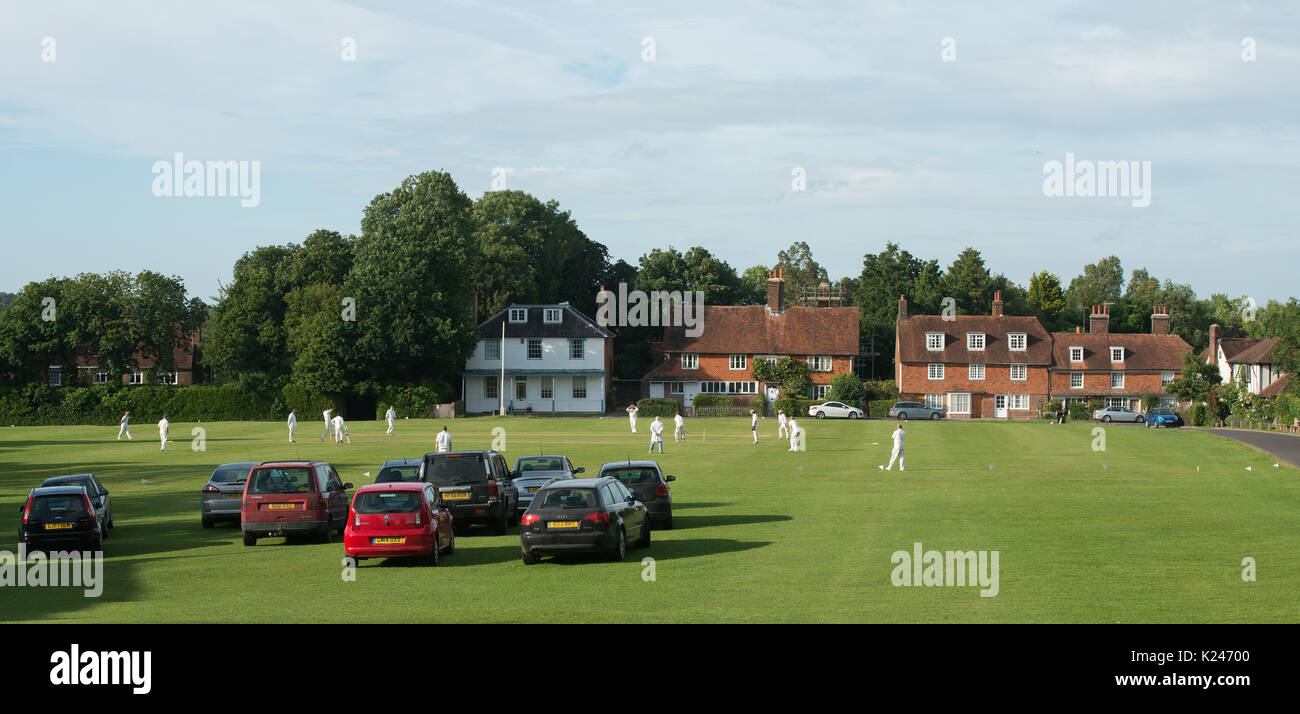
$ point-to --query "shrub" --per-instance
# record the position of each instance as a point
(657, 407)
(1079, 411)
(39, 404)
(1200, 415)
(879, 407)
(848, 388)
(794, 406)
(759, 405)
(881, 389)
(704, 401)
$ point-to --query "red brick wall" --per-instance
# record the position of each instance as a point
(915, 383)
(717, 368)
(1098, 384)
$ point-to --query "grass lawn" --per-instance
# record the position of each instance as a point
(1153, 529)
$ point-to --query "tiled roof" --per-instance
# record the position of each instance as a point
(1248, 351)
(912, 340)
(572, 324)
(750, 329)
(1276, 388)
(1142, 351)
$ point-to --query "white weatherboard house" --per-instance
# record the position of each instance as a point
(555, 359)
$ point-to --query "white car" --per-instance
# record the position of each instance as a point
(834, 409)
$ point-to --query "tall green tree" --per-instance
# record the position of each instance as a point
(1046, 300)
(968, 281)
(801, 272)
(1100, 283)
(885, 276)
(753, 286)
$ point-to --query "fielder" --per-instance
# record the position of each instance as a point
(329, 425)
(293, 423)
(125, 427)
(340, 430)
(656, 435)
(631, 416)
(753, 424)
(897, 453)
(784, 431)
(679, 428)
(390, 416)
(443, 441)
(794, 434)
(164, 427)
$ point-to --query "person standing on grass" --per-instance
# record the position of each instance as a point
(679, 428)
(794, 433)
(293, 423)
(631, 416)
(443, 441)
(329, 425)
(340, 429)
(1060, 418)
(164, 429)
(753, 424)
(656, 435)
(897, 453)
(390, 416)
(124, 427)
(784, 431)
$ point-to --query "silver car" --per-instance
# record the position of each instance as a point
(1118, 414)
(532, 472)
(95, 491)
(913, 410)
(224, 492)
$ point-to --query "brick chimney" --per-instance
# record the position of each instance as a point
(1160, 320)
(902, 308)
(997, 304)
(775, 291)
(1214, 345)
(1099, 321)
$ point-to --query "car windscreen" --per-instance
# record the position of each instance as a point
(274, 481)
(455, 470)
(79, 481)
(392, 474)
(1162, 412)
(230, 474)
(55, 505)
(633, 475)
(387, 502)
(538, 463)
(568, 498)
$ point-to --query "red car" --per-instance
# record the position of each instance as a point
(399, 518)
(286, 498)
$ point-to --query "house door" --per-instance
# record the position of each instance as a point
(772, 391)
(1000, 406)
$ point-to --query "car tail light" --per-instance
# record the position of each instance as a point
(27, 510)
(529, 519)
(417, 518)
(661, 489)
(90, 510)
(209, 488)
(597, 517)
(492, 489)
(356, 519)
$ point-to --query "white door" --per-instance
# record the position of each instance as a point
(1000, 406)
(772, 391)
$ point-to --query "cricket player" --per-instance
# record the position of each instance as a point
(794, 433)
(679, 428)
(329, 425)
(656, 435)
(340, 429)
(390, 416)
(125, 427)
(897, 453)
(164, 428)
(293, 423)
(784, 431)
(631, 416)
(753, 424)
(443, 441)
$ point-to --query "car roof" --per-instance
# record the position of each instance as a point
(287, 464)
(69, 477)
(57, 490)
(402, 462)
(249, 464)
(475, 452)
(393, 486)
(580, 482)
(542, 456)
(633, 463)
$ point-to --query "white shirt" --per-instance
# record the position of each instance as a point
(657, 429)
(753, 419)
(327, 415)
(338, 423)
(293, 419)
(163, 426)
(679, 421)
(782, 418)
(124, 419)
(390, 414)
(444, 440)
(898, 438)
(632, 410)
(794, 427)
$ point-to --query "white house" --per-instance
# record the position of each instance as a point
(539, 358)
(1249, 358)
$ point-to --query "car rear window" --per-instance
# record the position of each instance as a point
(275, 481)
(568, 498)
(387, 502)
(230, 474)
(455, 470)
(52, 506)
(540, 463)
(398, 473)
(633, 475)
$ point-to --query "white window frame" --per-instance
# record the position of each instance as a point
(54, 375)
(518, 315)
(676, 387)
(490, 388)
(528, 348)
(1113, 350)
(934, 341)
(521, 382)
(1018, 402)
(933, 374)
(492, 350)
(690, 360)
(1076, 351)
(742, 360)
(135, 377)
(819, 391)
(1017, 338)
(1113, 375)
(166, 378)
(951, 409)
(578, 388)
(975, 372)
(548, 388)
(552, 315)
(934, 401)
(581, 345)
(99, 376)
(975, 337)
(1079, 376)
(1024, 372)
(819, 363)
(1166, 377)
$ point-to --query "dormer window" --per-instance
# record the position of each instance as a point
(518, 314)
(551, 316)
(1076, 354)
(975, 341)
(934, 341)
(1117, 354)
(1016, 341)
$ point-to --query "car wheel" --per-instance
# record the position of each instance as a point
(644, 540)
(434, 555)
(853, 415)
(902, 416)
(620, 546)
(821, 415)
(1140, 419)
(103, 532)
(250, 539)
(1106, 418)
(207, 523)
(323, 535)
(531, 559)
(934, 416)
(460, 530)
(668, 524)
(451, 544)
(500, 525)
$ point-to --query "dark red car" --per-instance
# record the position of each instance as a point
(397, 519)
(285, 498)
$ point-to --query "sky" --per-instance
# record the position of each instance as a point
(738, 126)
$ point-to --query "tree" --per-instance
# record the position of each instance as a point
(969, 283)
(1196, 381)
(1046, 300)
(28, 343)
(800, 271)
(847, 388)
(247, 342)
(753, 286)
(101, 320)
(1100, 283)
(885, 276)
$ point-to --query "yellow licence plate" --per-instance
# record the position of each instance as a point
(234, 495)
(533, 489)
(455, 495)
(387, 541)
(562, 524)
(58, 526)
(282, 505)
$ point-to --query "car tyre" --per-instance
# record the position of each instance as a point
(902, 416)
(620, 546)
(1140, 419)
(853, 415)
(821, 415)
(500, 525)
(434, 556)
(250, 539)
(207, 523)
(451, 545)
(323, 535)
(934, 416)
(1106, 419)
(531, 559)
(644, 540)
(668, 524)
(460, 530)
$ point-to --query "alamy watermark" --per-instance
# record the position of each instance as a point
(658, 308)
(1084, 178)
(953, 568)
(179, 177)
(74, 569)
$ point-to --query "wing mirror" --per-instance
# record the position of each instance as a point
(580, 470)
(670, 478)
(347, 486)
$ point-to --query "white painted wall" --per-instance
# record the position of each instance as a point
(555, 355)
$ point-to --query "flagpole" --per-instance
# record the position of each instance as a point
(501, 389)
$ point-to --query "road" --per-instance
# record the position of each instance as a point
(1283, 446)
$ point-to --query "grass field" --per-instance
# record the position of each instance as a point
(1135, 533)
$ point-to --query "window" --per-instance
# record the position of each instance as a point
(1117, 354)
(136, 377)
(936, 371)
(576, 348)
(54, 375)
(959, 403)
(819, 363)
(490, 387)
(819, 391)
(100, 376)
(1016, 341)
(729, 387)
(1076, 380)
(739, 361)
(548, 387)
(1116, 380)
(934, 341)
(492, 350)
(551, 316)
(167, 378)
(521, 387)
(690, 360)
(1117, 402)
(975, 341)
(1019, 373)
(1166, 378)
(676, 387)
(579, 387)
(519, 314)
(976, 371)
(934, 401)
(1019, 401)
(1076, 354)
(534, 348)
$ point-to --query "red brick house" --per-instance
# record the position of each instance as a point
(186, 359)
(1118, 368)
(719, 359)
(973, 366)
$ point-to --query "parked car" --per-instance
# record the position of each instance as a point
(399, 470)
(389, 520)
(1163, 416)
(285, 498)
(834, 409)
(913, 410)
(95, 490)
(648, 483)
(60, 518)
(475, 485)
(531, 472)
(578, 515)
(1110, 414)
(223, 495)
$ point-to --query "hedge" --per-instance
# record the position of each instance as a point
(879, 408)
(794, 406)
(655, 407)
(703, 401)
(43, 405)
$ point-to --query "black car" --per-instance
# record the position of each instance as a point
(476, 487)
(648, 483)
(59, 517)
(395, 470)
(98, 495)
(584, 514)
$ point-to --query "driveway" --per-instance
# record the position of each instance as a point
(1283, 446)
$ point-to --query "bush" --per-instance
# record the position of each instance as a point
(879, 407)
(848, 388)
(657, 407)
(759, 405)
(794, 406)
(880, 390)
(415, 401)
(1079, 411)
(705, 401)
(39, 404)
(1200, 416)
(1150, 401)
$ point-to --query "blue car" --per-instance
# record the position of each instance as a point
(1163, 416)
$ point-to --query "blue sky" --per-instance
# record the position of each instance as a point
(694, 148)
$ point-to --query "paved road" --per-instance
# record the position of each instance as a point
(1283, 446)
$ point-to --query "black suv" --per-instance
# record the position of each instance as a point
(55, 516)
(476, 487)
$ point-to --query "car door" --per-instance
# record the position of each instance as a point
(338, 498)
(510, 493)
(616, 507)
(103, 494)
(635, 513)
